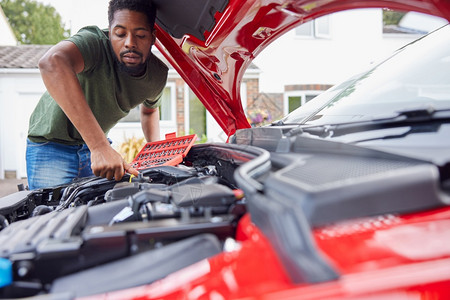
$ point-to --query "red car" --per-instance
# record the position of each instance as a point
(344, 198)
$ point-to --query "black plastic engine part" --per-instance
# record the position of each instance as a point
(202, 195)
(169, 174)
(143, 268)
(41, 210)
(125, 189)
(16, 205)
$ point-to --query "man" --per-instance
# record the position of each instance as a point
(93, 79)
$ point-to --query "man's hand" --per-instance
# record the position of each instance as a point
(106, 162)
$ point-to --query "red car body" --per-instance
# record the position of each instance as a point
(385, 257)
(275, 249)
(379, 258)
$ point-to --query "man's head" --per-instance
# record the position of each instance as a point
(131, 33)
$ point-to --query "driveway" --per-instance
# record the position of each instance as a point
(9, 186)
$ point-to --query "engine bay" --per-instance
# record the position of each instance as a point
(54, 235)
(70, 241)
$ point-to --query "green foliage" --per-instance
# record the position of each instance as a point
(33, 22)
(391, 17)
(200, 139)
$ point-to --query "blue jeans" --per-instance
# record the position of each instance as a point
(50, 164)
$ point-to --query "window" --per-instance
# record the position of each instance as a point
(166, 110)
(295, 99)
(167, 113)
(305, 30)
(294, 102)
(197, 115)
(319, 28)
(322, 27)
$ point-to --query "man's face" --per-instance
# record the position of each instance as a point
(131, 39)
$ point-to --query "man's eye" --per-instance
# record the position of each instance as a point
(141, 36)
(121, 35)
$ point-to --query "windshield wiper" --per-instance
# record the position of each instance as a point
(421, 128)
(410, 117)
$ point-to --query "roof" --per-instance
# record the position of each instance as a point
(21, 57)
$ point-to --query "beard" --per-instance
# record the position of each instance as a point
(136, 70)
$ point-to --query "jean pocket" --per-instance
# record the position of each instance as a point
(34, 144)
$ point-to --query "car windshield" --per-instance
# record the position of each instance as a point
(415, 77)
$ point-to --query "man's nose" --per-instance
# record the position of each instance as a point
(130, 41)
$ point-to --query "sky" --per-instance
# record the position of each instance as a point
(79, 13)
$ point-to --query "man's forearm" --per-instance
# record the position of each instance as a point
(58, 68)
(150, 123)
(59, 76)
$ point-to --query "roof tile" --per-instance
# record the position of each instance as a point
(21, 57)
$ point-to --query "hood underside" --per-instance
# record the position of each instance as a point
(212, 42)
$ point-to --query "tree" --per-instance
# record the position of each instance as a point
(392, 17)
(33, 22)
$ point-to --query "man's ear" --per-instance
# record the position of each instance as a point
(153, 36)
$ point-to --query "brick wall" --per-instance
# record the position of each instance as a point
(252, 90)
(179, 87)
(307, 87)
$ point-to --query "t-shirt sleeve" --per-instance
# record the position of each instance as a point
(88, 41)
(153, 103)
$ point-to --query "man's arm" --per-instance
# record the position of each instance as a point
(150, 123)
(58, 68)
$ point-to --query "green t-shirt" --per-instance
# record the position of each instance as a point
(110, 93)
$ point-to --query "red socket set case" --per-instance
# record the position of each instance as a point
(168, 152)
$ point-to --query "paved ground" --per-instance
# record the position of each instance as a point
(9, 186)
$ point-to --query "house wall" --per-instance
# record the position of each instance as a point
(181, 119)
(19, 93)
(252, 89)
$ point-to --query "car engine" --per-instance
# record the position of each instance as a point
(167, 218)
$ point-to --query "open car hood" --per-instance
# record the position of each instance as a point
(212, 42)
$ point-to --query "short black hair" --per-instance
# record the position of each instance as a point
(144, 6)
